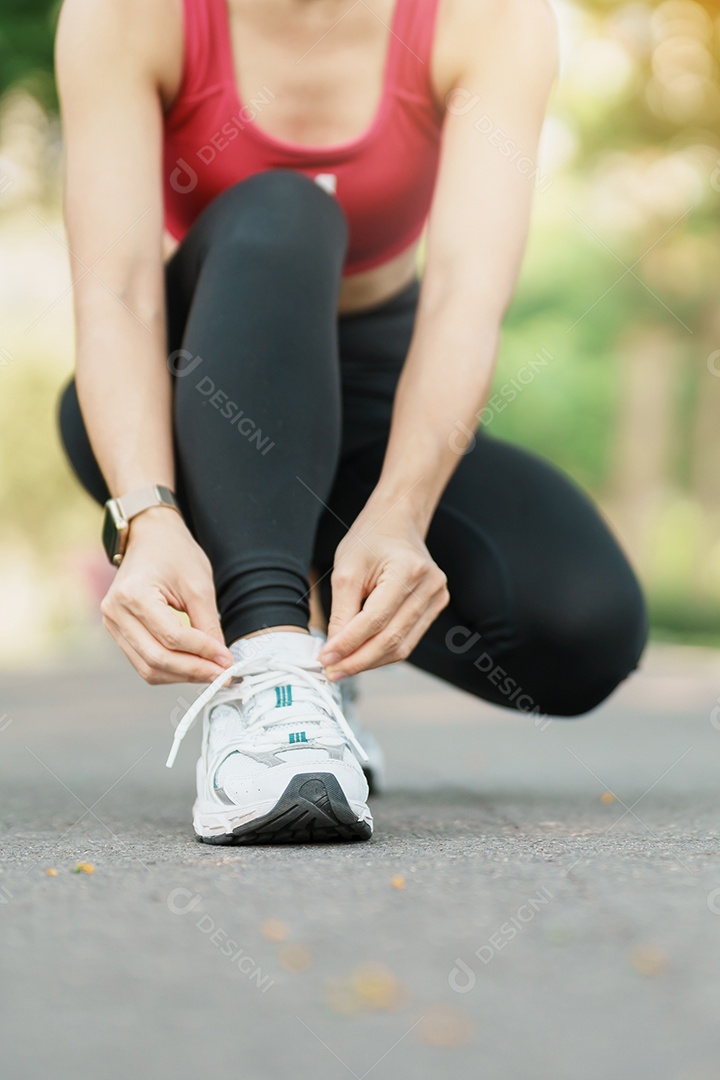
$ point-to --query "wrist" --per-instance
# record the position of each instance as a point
(154, 518)
(405, 505)
(147, 510)
(409, 498)
(154, 529)
(134, 480)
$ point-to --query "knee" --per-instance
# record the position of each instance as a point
(69, 419)
(590, 644)
(76, 444)
(279, 208)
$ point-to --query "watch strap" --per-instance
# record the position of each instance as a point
(135, 502)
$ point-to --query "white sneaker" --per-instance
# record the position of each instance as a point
(346, 695)
(279, 762)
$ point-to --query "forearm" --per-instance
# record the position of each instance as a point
(125, 392)
(444, 383)
(506, 61)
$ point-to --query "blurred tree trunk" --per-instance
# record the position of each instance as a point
(645, 443)
(704, 437)
(705, 434)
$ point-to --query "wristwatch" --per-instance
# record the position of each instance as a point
(120, 512)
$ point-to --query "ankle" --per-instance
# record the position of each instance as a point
(273, 630)
(237, 646)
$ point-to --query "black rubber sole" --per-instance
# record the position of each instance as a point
(312, 810)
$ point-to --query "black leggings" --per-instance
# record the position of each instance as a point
(282, 413)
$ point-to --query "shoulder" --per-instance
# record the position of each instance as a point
(130, 35)
(473, 35)
(478, 18)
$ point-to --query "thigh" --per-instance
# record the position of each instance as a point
(545, 609)
(76, 443)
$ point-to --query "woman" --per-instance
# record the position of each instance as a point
(287, 385)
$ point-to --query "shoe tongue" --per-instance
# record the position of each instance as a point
(291, 698)
(289, 706)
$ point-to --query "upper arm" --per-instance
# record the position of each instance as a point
(488, 167)
(109, 88)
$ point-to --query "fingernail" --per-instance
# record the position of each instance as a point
(330, 658)
(335, 674)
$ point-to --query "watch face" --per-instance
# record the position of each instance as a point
(114, 532)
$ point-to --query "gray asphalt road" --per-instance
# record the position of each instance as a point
(510, 919)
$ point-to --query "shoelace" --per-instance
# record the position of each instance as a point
(256, 678)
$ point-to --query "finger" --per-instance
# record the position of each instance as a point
(395, 643)
(348, 592)
(152, 660)
(166, 628)
(158, 665)
(379, 608)
(201, 607)
(134, 657)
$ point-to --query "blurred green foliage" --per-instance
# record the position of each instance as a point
(26, 46)
(619, 287)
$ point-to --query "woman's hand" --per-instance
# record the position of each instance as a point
(165, 568)
(384, 562)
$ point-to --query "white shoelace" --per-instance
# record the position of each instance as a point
(255, 678)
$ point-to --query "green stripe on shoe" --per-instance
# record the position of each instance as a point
(283, 696)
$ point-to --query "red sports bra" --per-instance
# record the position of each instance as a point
(384, 180)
